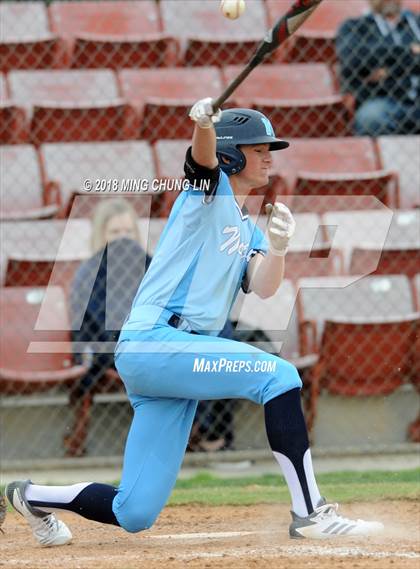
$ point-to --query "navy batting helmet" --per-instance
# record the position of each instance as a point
(242, 126)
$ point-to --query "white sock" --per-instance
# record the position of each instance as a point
(54, 494)
(294, 485)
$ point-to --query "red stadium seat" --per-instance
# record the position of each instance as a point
(26, 41)
(405, 261)
(402, 154)
(72, 105)
(299, 99)
(364, 333)
(13, 125)
(64, 241)
(325, 155)
(412, 5)
(147, 51)
(121, 18)
(310, 253)
(40, 271)
(373, 229)
(371, 297)
(42, 242)
(209, 38)
(109, 166)
(277, 318)
(23, 193)
(169, 160)
(325, 192)
(314, 41)
(113, 34)
(347, 166)
(25, 372)
(314, 262)
(344, 369)
(164, 97)
(416, 281)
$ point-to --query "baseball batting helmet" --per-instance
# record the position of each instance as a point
(242, 126)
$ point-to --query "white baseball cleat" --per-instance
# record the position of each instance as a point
(324, 523)
(47, 529)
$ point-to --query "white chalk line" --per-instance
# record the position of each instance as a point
(294, 551)
(207, 535)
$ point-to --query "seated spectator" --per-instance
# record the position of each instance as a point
(101, 295)
(379, 56)
(212, 429)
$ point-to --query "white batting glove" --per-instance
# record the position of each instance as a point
(281, 227)
(202, 113)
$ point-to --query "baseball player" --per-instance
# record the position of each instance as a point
(169, 355)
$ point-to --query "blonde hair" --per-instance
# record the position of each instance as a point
(109, 208)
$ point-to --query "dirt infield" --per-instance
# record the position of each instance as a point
(243, 537)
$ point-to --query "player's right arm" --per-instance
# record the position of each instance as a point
(204, 138)
(201, 164)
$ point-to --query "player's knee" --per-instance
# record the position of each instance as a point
(284, 378)
(137, 518)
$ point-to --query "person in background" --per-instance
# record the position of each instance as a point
(379, 58)
(212, 429)
(115, 270)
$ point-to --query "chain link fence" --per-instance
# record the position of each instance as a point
(93, 135)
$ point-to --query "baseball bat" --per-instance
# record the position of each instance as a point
(283, 28)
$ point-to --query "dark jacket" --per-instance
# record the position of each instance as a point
(105, 285)
(365, 44)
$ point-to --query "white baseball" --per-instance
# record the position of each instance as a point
(232, 9)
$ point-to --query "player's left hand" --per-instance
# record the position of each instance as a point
(203, 114)
(281, 227)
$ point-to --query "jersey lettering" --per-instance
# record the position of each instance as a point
(233, 243)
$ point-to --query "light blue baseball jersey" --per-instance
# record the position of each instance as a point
(200, 261)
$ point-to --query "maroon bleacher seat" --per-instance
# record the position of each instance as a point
(210, 39)
(22, 371)
(109, 166)
(377, 230)
(364, 358)
(413, 5)
(346, 166)
(364, 333)
(416, 283)
(404, 260)
(325, 155)
(169, 159)
(42, 270)
(26, 41)
(371, 297)
(402, 154)
(113, 34)
(13, 124)
(24, 195)
(72, 105)
(314, 41)
(313, 262)
(310, 253)
(163, 97)
(325, 192)
(277, 318)
(44, 240)
(300, 99)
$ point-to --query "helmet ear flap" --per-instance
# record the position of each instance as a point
(231, 160)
